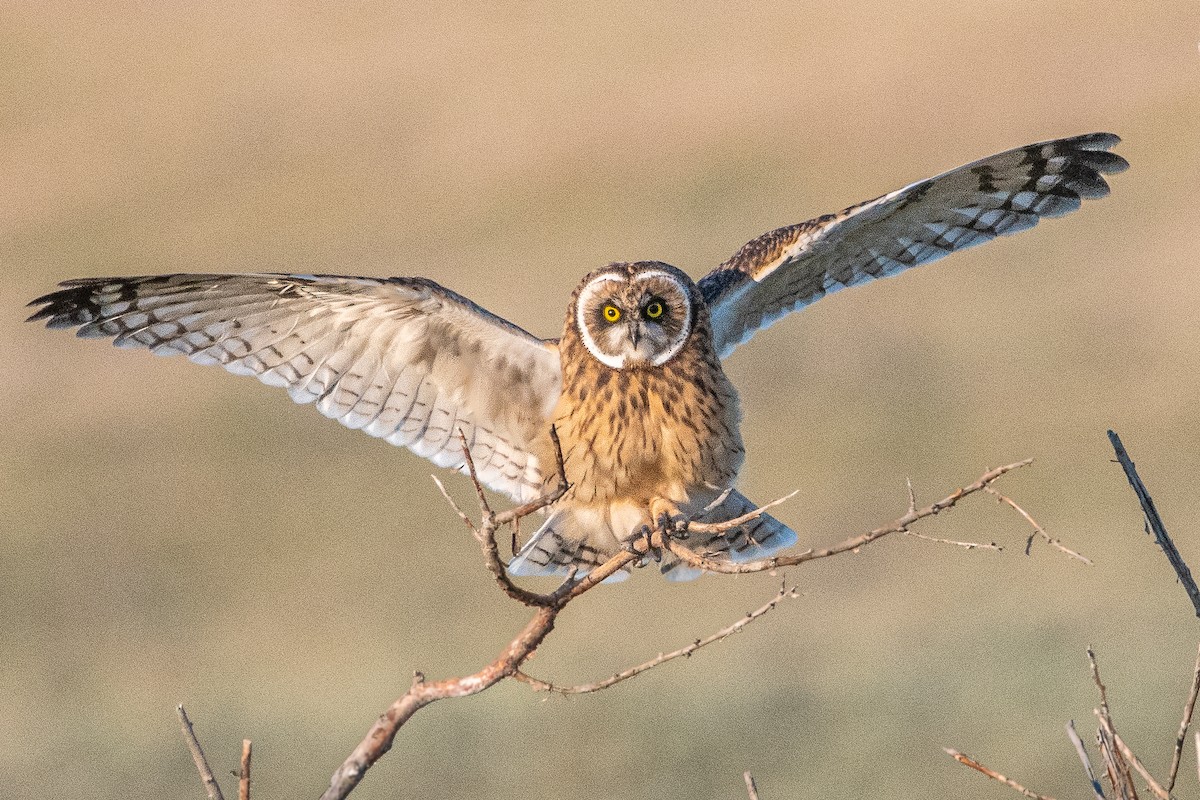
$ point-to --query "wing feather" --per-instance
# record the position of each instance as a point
(789, 268)
(402, 359)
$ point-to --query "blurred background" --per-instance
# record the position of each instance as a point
(175, 534)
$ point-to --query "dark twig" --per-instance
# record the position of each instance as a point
(244, 775)
(206, 774)
(1188, 708)
(1038, 530)
(1154, 521)
(683, 652)
(991, 773)
(1097, 790)
(694, 559)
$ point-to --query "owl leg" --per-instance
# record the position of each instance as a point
(668, 518)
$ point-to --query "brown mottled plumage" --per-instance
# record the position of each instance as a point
(646, 416)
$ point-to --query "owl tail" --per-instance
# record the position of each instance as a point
(569, 538)
(759, 538)
(565, 541)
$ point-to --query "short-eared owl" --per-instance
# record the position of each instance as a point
(647, 419)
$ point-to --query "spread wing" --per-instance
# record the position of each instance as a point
(402, 359)
(786, 269)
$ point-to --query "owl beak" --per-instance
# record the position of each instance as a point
(635, 334)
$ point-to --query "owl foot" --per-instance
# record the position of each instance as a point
(641, 544)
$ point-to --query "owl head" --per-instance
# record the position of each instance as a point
(635, 314)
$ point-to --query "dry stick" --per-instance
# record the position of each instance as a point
(206, 774)
(381, 735)
(1118, 771)
(996, 776)
(1154, 785)
(1038, 530)
(545, 686)
(683, 553)
(1097, 790)
(1155, 522)
(244, 775)
(965, 545)
(1188, 707)
(751, 789)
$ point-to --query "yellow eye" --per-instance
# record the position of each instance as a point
(612, 313)
(654, 310)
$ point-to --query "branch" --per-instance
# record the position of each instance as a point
(381, 735)
(1037, 529)
(1188, 707)
(751, 789)
(991, 773)
(1083, 757)
(206, 774)
(1154, 521)
(662, 658)
(244, 775)
(685, 554)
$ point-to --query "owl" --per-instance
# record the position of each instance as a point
(647, 419)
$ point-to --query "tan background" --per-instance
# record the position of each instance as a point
(175, 534)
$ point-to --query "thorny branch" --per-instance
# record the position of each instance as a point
(991, 773)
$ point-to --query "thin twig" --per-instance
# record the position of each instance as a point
(996, 776)
(965, 545)
(1097, 790)
(694, 559)
(683, 652)
(1038, 530)
(1155, 522)
(206, 774)
(1188, 708)
(751, 788)
(244, 775)
(442, 488)
(1118, 771)
(1154, 785)
(692, 526)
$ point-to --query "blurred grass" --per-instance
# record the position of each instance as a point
(175, 534)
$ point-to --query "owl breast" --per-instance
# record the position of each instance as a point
(631, 436)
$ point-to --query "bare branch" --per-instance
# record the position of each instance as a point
(1118, 771)
(1038, 530)
(1155, 522)
(1097, 790)
(1158, 790)
(381, 735)
(206, 774)
(691, 526)
(442, 488)
(991, 773)
(1188, 708)
(694, 559)
(965, 545)
(751, 788)
(662, 658)
(244, 775)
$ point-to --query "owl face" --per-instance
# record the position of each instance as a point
(633, 315)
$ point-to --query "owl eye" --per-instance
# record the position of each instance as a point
(654, 310)
(612, 313)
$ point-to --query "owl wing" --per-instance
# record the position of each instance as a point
(786, 269)
(402, 359)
